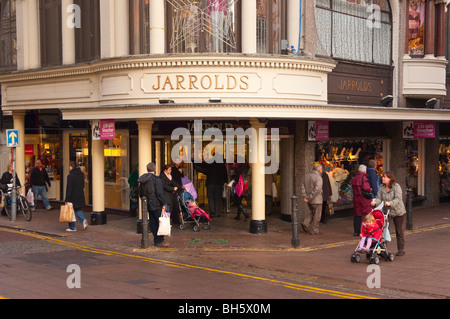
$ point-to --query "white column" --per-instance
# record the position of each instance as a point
(157, 31)
(293, 23)
(145, 148)
(107, 41)
(121, 28)
(98, 183)
(258, 223)
(68, 32)
(34, 50)
(19, 124)
(249, 26)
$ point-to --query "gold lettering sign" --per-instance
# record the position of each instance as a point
(351, 85)
(190, 82)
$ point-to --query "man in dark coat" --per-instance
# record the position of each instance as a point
(151, 187)
(39, 180)
(75, 195)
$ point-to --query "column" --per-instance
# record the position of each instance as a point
(107, 41)
(68, 31)
(429, 29)
(157, 36)
(249, 26)
(258, 224)
(19, 124)
(145, 149)
(121, 28)
(98, 215)
(293, 23)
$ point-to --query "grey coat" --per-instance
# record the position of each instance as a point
(312, 187)
(393, 196)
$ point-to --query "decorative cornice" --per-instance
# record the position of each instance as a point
(170, 61)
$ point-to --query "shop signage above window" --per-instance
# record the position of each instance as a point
(419, 129)
(318, 130)
(103, 129)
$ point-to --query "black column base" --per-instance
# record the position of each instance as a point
(98, 218)
(258, 226)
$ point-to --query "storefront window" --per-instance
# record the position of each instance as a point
(412, 164)
(341, 160)
(117, 171)
(202, 26)
(416, 19)
(139, 27)
(269, 28)
(8, 39)
(444, 167)
(45, 147)
(354, 30)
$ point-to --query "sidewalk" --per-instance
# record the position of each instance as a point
(325, 258)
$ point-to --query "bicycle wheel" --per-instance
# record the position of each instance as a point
(25, 207)
(7, 206)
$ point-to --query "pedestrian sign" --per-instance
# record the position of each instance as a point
(12, 137)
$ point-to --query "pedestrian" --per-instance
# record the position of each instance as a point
(240, 190)
(134, 191)
(7, 178)
(372, 176)
(170, 186)
(312, 192)
(151, 187)
(326, 194)
(216, 176)
(369, 231)
(39, 180)
(177, 175)
(390, 193)
(75, 195)
(361, 204)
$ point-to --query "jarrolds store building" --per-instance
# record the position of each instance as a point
(368, 80)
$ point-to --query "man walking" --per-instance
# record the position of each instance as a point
(151, 187)
(312, 194)
(39, 180)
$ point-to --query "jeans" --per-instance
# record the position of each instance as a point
(79, 213)
(40, 190)
(214, 194)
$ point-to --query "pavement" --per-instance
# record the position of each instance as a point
(424, 272)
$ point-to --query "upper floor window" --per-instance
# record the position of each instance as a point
(269, 28)
(357, 30)
(51, 33)
(139, 27)
(202, 26)
(8, 39)
(87, 38)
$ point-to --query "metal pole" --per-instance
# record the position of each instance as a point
(14, 191)
(295, 240)
(409, 202)
(145, 241)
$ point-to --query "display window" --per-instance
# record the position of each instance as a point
(47, 148)
(79, 152)
(444, 168)
(412, 164)
(341, 160)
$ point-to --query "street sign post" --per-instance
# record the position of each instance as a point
(12, 140)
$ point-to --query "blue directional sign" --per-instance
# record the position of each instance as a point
(12, 138)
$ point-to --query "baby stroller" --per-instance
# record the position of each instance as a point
(190, 212)
(379, 247)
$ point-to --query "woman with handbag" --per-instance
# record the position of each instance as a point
(75, 195)
(361, 198)
(390, 193)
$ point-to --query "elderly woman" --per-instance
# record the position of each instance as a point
(390, 193)
(361, 205)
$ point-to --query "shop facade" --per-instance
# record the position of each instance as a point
(254, 74)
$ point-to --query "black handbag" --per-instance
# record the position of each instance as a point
(365, 194)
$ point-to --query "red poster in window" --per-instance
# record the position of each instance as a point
(416, 19)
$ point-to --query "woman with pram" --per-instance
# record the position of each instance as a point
(390, 193)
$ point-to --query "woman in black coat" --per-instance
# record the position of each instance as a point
(170, 186)
(75, 195)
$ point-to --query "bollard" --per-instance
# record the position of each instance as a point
(145, 241)
(295, 240)
(409, 202)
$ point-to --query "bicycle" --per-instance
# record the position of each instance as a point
(22, 203)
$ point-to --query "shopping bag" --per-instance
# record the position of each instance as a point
(30, 197)
(164, 225)
(66, 213)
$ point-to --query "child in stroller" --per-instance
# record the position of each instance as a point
(377, 247)
(190, 212)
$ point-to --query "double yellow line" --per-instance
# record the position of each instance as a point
(285, 284)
